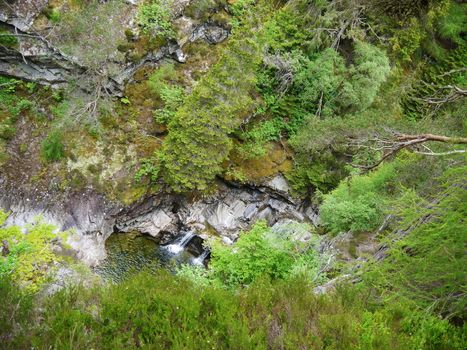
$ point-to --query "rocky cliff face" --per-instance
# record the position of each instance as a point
(36, 57)
(21, 13)
(93, 218)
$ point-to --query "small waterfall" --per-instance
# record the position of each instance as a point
(200, 259)
(178, 246)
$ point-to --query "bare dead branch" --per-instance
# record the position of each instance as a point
(442, 153)
(402, 141)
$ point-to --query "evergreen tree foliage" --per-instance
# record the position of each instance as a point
(426, 260)
(52, 147)
(198, 140)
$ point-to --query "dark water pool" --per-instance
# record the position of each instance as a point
(128, 253)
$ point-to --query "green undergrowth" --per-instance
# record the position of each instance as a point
(425, 261)
(165, 312)
(30, 254)
(259, 292)
(282, 252)
(154, 17)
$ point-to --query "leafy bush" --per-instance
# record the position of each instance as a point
(52, 147)
(357, 204)
(154, 17)
(30, 254)
(276, 253)
(251, 257)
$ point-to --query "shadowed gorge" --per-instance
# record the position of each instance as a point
(233, 174)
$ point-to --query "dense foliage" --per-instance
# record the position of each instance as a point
(285, 251)
(154, 18)
(166, 312)
(198, 140)
(427, 266)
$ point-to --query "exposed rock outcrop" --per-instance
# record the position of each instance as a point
(36, 59)
(21, 13)
(87, 213)
(162, 216)
(226, 213)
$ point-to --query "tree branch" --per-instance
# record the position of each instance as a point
(402, 141)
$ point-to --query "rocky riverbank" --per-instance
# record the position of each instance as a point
(93, 218)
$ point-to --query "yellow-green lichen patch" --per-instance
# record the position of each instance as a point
(105, 166)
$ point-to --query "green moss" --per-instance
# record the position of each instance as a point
(255, 169)
(7, 39)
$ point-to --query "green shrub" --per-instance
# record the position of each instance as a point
(368, 72)
(325, 82)
(172, 97)
(319, 80)
(11, 106)
(154, 17)
(52, 147)
(30, 254)
(453, 23)
(275, 253)
(148, 168)
(357, 204)
(251, 257)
